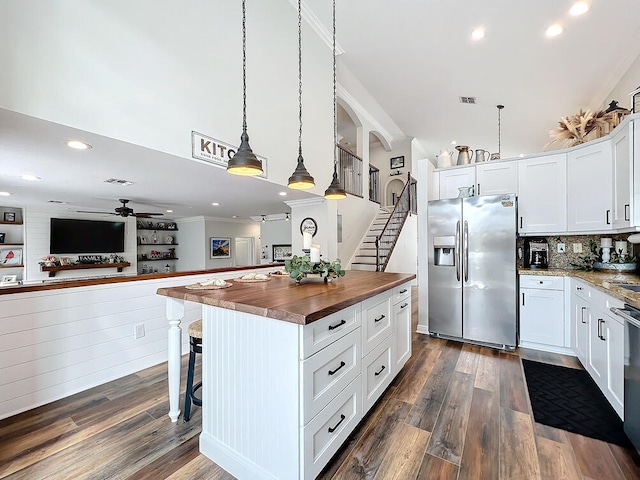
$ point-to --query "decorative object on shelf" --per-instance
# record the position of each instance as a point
(398, 172)
(635, 96)
(445, 158)
(49, 261)
(9, 280)
(464, 157)
(300, 179)
(68, 261)
(244, 162)
(154, 237)
(301, 267)
(606, 244)
(167, 268)
(482, 155)
(142, 240)
(2, 237)
(10, 257)
(573, 130)
(617, 267)
(396, 162)
(168, 239)
(220, 247)
(335, 191)
(309, 225)
(161, 226)
(281, 252)
(9, 217)
(172, 226)
(90, 259)
(615, 114)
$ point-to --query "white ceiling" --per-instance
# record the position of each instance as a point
(414, 57)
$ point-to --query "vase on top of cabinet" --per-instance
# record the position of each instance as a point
(464, 156)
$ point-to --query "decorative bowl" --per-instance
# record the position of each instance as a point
(617, 267)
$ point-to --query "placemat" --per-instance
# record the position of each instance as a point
(197, 286)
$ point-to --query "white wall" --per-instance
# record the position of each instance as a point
(191, 237)
(275, 232)
(228, 229)
(627, 84)
(404, 258)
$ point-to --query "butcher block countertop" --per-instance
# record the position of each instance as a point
(606, 281)
(281, 298)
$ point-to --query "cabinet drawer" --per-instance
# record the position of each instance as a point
(401, 293)
(542, 282)
(581, 289)
(321, 333)
(376, 321)
(376, 373)
(326, 433)
(327, 372)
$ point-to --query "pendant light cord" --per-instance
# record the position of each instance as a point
(500, 107)
(335, 106)
(300, 75)
(244, 68)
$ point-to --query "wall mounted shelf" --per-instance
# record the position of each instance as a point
(83, 266)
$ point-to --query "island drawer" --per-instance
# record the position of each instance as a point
(376, 321)
(400, 293)
(542, 282)
(319, 334)
(326, 433)
(327, 372)
(376, 377)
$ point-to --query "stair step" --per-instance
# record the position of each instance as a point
(366, 267)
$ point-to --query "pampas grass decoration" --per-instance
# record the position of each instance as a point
(574, 129)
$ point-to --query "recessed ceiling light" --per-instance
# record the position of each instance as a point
(215, 204)
(169, 211)
(78, 145)
(453, 142)
(234, 216)
(30, 177)
(579, 8)
(554, 30)
(282, 194)
(477, 33)
(5, 194)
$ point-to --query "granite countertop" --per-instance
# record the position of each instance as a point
(604, 280)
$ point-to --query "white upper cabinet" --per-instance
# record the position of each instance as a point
(451, 180)
(496, 178)
(590, 188)
(621, 149)
(542, 203)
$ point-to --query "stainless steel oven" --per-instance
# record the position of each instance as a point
(631, 316)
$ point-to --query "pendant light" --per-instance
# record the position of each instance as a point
(499, 107)
(335, 190)
(300, 180)
(244, 162)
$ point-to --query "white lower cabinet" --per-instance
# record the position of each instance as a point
(542, 324)
(402, 323)
(598, 340)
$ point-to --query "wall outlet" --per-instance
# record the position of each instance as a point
(138, 330)
(562, 248)
(577, 248)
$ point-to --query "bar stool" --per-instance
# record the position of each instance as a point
(195, 346)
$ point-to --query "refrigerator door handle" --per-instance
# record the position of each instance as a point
(457, 247)
(465, 247)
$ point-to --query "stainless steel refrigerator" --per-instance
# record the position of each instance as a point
(472, 269)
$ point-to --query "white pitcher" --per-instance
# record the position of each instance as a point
(444, 159)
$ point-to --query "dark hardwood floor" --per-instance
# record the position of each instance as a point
(456, 411)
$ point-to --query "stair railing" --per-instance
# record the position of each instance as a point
(388, 237)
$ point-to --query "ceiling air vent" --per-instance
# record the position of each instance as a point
(117, 181)
(471, 100)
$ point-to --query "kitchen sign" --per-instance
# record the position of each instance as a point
(217, 152)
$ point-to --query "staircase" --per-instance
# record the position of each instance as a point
(366, 257)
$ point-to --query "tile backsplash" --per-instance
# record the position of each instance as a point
(571, 259)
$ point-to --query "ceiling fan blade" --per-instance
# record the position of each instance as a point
(145, 214)
(99, 213)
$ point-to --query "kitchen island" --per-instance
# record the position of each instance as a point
(290, 369)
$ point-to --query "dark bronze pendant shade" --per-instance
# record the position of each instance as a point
(301, 179)
(335, 190)
(244, 162)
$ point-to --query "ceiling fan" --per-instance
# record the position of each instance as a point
(124, 211)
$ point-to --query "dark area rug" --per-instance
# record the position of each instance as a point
(569, 399)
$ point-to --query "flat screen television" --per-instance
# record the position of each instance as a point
(85, 236)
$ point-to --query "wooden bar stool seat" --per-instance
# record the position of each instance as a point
(195, 346)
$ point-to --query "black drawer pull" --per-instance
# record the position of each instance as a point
(378, 319)
(405, 305)
(333, 327)
(332, 372)
(333, 429)
(404, 290)
(381, 370)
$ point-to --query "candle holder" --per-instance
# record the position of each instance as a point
(306, 251)
(606, 254)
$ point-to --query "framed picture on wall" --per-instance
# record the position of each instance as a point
(282, 253)
(397, 162)
(10, 257)
(220, 247)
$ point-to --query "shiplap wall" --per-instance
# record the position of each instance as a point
(55, 343)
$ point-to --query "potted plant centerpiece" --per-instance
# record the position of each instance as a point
(301, 267)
